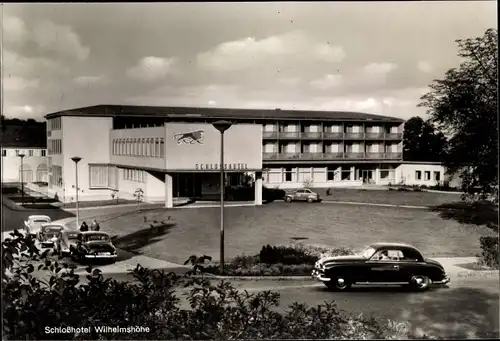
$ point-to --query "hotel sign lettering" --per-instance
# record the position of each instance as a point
(216, 166)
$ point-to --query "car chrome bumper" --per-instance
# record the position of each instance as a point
(319, 276)
(446, 280)
(100, 256)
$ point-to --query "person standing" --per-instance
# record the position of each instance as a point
(95, 226)
(84, 227)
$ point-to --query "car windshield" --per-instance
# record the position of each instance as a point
(368, 252)
(52, 229)
(40, 221)
(98, 237)
(73, 236)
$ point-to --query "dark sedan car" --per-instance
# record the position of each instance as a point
(48, 234)
(93, 245)
(379, 264)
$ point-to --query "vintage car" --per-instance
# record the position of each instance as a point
(49, 233)
(65, 240)
(381, 264)
(303, 195)
(93, 245)
(34, 223)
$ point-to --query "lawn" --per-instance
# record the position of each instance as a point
(197, 231)
(388, 197)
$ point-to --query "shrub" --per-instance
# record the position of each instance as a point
(216, 311)
(489, 255)
(294, 259)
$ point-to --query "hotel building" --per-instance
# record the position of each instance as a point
(170, 152)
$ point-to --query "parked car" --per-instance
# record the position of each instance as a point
(94, 245)
(303, 195)
(49, 233)
(33, 225)
(65, 240)
(379, 264)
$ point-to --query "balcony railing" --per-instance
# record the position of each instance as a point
(289, 135)
(270, 134)
(333, 135)
(354, 136)
(374, 136)
(312, 135)
(393, 136)
(328, 135)
(332, 156)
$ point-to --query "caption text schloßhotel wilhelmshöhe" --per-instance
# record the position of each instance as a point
(97, 329)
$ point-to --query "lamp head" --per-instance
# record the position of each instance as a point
(76, 159)
(222, 126)
(21, 155)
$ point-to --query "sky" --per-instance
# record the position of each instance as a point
(371, 57)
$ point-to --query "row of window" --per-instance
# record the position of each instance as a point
(28, 153)
(141, 146)
(136, 175)
(55, 146)
(54, 124)
(55, 178)
(289, 174)
(103, 176)
(427, 175)
(347, 128)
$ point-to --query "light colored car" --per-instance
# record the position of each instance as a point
(303, 195)
(65, 241)
(49, 233)
(33, 225)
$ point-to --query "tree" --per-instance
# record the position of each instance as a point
(464, 105)
(422, 142)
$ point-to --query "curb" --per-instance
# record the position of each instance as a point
(374, 204)
(256, 278)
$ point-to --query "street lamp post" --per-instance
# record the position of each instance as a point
(222, 126)
(76, 159)
(22, 178)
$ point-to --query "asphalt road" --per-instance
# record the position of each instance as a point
(468, 306)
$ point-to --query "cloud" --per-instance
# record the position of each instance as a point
(20, 66)
(23, 111)
(18, 83)
(247, 52)
(151, 69)
(88, 80)
(290, 81)
(62, 40)
(425, 67)
(327, 82)
(14, 29)
(379, 68)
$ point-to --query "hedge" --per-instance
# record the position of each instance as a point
(489, 255)
(294, 259)
(220, 311)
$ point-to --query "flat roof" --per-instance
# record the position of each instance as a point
(219, 113)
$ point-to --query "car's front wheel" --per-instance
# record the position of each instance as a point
(288, 199)
(310, 200)
(420, 282)
(339, 283)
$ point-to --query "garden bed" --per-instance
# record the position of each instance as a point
(295, 259)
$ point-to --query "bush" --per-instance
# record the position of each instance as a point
(295, 259)
(30, 304)
(489, 255)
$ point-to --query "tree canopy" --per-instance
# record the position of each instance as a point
(464, 105)
(422, 142)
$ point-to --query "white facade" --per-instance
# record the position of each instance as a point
(427, 174)
(411, 174)
(35, 168)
